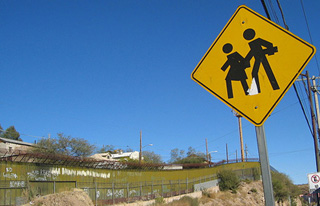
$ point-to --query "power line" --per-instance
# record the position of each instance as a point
(294, 85)
(305, 17)
(290, 152)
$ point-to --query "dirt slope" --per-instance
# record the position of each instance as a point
(70, 198)
(248, 194)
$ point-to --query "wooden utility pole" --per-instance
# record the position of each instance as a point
(316, 101)
(207, 150)
(140, 155)
(241, 136)
(227, 153)
(236, 155)
(246, 153)
(240, 133)
(314, 127)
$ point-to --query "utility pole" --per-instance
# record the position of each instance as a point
(140, 155)
(236, 155)
(314, 127)
(316, 101)
(246, 153)
(207, 150)
(241, 136)
(227, 153)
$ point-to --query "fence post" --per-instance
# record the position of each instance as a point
(54, 187)
(187, 185)
(128, 193)
(95, 188)
(140, 190)
(170, 188)
(112, 192)
(162, 187)
(152, 189)
(179, 186)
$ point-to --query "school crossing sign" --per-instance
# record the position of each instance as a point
(252, 64)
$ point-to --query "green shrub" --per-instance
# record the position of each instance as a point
(253, 190)
(256, 174)
(228, 180)
(283, 187)
(190, 201)
(159, 200)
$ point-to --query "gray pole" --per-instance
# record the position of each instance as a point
(265, 166)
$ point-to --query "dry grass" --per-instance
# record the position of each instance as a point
(246, 196)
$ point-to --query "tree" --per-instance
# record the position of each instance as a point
(47, 145)
(191, 151)
(151, 157)
(11, 133)
(1, 131)
(176, 155)
(192, 159)
(65, 145)
(106, 148)
(129, 149)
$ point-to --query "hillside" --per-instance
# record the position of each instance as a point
(248, 194)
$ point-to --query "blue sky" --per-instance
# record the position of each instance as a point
(104, 70)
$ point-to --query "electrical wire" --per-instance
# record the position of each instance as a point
(303, 110)
(294, 85)
(283, 19)
(305, 17)
(274, 13)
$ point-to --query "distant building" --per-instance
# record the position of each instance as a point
(9, 146)
(126, 155)
(118, 156)
(102, 156)
(172, 167)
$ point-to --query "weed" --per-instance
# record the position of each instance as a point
(159, 200)
(253, 190)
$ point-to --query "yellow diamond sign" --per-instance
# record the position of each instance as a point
(252, 64)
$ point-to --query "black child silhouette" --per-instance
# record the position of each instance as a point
(259, 48)
(236, 72)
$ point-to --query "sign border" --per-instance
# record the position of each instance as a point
(284, 91)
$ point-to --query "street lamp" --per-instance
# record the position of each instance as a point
(147, 145)
(140, 154)
(209, 153)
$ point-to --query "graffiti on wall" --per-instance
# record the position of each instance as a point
(53, 173)
(9, 173)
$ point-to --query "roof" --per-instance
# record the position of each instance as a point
(16, 142)
(125, 154)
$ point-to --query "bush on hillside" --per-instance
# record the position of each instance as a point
(283, 187)
(228, 180)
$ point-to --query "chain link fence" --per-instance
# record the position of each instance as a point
(18, 192)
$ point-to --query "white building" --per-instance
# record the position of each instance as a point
(9, 146)
(118, 156)
(126, 155)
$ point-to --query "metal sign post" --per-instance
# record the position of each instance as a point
(265, 166)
